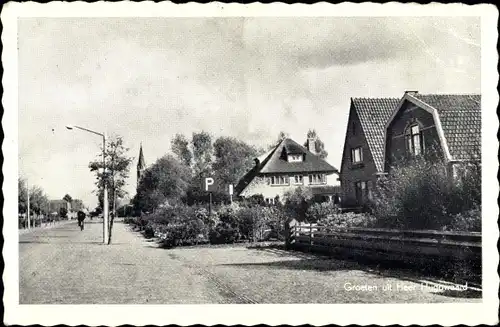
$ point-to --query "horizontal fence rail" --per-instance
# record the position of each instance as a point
(455, 245)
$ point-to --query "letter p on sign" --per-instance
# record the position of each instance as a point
(209, 181)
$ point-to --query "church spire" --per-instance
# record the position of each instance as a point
(141, 165)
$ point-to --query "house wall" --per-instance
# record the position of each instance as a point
(259, 185)
(352, 173)
(396, 147)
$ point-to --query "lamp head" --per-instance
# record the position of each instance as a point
(69, 127)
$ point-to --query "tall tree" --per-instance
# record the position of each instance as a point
(166, 180)
(233, 158)
(202, 155)
(117, 171)
(180, 147)
(319, 146)
(22, 195)
(77, 205)
(67, 198)
(39, 202)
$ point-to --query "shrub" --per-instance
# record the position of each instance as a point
(318, 211)
(277, 222)
(223, 233)
(296, 202)
(466, 221)
(190, 232)
(422, 196)
(347, 220)
(149, 231)
(250, 220)
(63, 212)
(227, 215)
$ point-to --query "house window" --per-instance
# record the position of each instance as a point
(414, 140)
(298, 179)
(278, 180)
(270, 200)
(317, 179)
(294, 158)
(356, 155)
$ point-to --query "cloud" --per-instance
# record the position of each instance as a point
(150, 78)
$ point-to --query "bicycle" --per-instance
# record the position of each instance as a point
(81, 218)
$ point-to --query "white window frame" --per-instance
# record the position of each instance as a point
(354, 151)
(414, 139)
(294, 158)
(317, 179)
(300, 179)
(279, 180)
(269, 200)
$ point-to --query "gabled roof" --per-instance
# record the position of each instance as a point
(277, 162)
(457, 118)
(373, 114)
(274, 161)
(460, 116)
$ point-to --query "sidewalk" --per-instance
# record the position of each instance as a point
(45, 226)
(66, 265)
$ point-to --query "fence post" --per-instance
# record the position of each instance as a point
(310, 236)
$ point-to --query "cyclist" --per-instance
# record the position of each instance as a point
(81, 218)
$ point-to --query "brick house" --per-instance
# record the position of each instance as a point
(363, 154)
(384, 132)
(443, 127)
(288, 166)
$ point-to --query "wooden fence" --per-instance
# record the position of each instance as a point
(450, 245)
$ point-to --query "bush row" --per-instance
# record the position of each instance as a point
(186, 225)
(424, 195)
(182, 224)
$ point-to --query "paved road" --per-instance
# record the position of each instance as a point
(66, 265)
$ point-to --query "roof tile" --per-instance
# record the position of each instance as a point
(373, 114)
(276, 163)
(460, 116)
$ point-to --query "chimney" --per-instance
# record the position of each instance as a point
(311, 145)
(411, 92)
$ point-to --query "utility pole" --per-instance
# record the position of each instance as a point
(231, 193)
(210, 205)
(105, 223)
(105, 200)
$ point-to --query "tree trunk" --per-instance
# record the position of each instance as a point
(113, 213)
(110, 228)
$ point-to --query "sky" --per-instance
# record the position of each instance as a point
(146, 79)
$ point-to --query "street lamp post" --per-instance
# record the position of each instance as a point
(105, 193)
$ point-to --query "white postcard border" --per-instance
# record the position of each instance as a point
(316, 314)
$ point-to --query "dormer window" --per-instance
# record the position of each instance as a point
(414, 142)
(295, 158)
